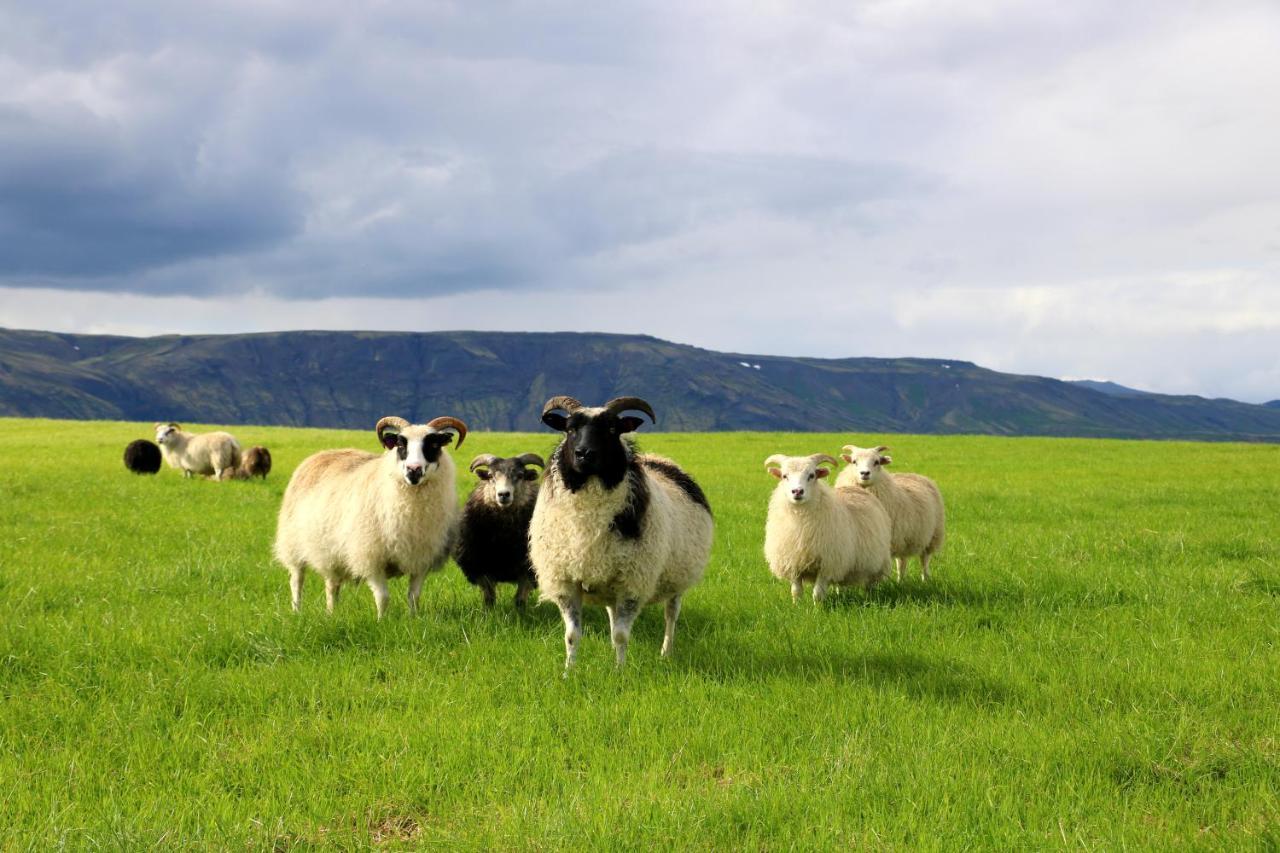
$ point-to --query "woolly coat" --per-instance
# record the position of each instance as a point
(206, 453)
(574, 542)
(493, 541)
(915, 509)
(840, 535)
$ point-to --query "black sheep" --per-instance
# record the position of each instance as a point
(142, 457)
(493, 538)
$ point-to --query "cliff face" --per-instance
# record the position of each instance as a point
(499, 380)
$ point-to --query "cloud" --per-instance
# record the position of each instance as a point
(884, 167)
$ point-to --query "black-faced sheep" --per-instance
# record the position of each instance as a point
(207, 454)
(142, 457)
(819, 534)
(913, 502)
(614, 527)
(365, 517)
(493, 538)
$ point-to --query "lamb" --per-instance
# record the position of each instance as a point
(822, 534)
(493, 538)
(207, 454)
(142, 457)
(256, 462)
(614, 527)
(913, 502)
(366, 517)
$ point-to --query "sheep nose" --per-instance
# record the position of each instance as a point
(413, 472)
(799, 493)
(582, 455)
(504, 497)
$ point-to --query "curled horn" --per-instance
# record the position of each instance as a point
(447, 423)
(621, 404)
(776, 459)
(531, 459)
(483, 460)
(569, 404)
(881, 449)
(850, 449)
(824, 457)
(390, 420)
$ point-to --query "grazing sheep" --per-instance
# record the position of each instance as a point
(913, 502)
(207, 454)
(614, 527)
(493, 538)
(366, 517)
(256, 462)
(142, 457)
(822, 534)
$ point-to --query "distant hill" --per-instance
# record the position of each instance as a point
(1111, 388)
(1273, 404)
(499, 380)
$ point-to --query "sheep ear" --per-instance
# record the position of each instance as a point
(483, 473)
(822, 472)
(886, 460)
(630, 423)
(776, 472)
(388, 436)
(530, 475)
(846, 457)
(556, 421)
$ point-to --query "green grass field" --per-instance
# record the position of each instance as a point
(1094, 664)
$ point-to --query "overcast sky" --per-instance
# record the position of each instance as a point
(1078, 189)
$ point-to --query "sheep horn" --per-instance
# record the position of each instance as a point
(390, 420)
(851, 449)
(484, 460)
(776, 459)
(881, 449)
(823, 457)
(531, 459)
(622, 404)
(448, 423)
(569, 404)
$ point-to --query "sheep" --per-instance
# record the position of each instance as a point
(142, 457)
(365, 517)
(207, 454)
(817, 533)
(493, 537)
(256, 462)
(913, 502)
(614, 527)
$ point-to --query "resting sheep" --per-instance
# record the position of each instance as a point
(822, 534)
(614, 527)
(256, 462)
(913, 502)
(142, 457)
(207, 454)
(493, 538)
(366, 517)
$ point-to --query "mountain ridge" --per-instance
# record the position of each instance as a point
(499, 380)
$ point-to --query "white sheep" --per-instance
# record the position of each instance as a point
(207, 454)
(822, 534)
(913, 502)
(614, 527)
(365, 517)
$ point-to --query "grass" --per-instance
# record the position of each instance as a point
(1094, 665)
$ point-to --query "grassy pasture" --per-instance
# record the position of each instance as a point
(1094, 665)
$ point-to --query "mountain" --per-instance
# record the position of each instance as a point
(499, 380)
(1273, 404)
(1113, 389)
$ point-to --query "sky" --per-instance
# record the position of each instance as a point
(1084, 190)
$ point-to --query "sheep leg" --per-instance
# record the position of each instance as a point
(332, 586)
(489, 592)
(669, 635)
(819, 590)
(415, 589)
(901, 564)
(620, 626)
(924, 565)
(378, 585)
(296, 576)
(571, 611)
(522, 592)
(797, 590)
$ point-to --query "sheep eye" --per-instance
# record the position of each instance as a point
(811, 475)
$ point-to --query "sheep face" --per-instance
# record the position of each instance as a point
(417, 447)
(164, 431)
(868, 462)
(798, 474)
(508, 480)
(593, 444)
